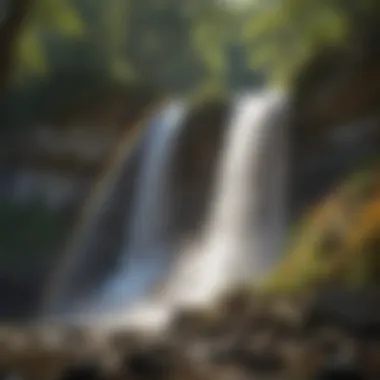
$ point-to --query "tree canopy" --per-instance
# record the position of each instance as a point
(185, 45)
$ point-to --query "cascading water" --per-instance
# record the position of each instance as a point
(68, 284)
(244, 233)
(240, 239)
(146, 254)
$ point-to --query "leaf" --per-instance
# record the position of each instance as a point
(120, 69)
(30, 53)
(209, 43)
(59, 16)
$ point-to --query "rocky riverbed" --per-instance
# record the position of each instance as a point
(333, 335)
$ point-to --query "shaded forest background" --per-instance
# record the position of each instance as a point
(182, 46)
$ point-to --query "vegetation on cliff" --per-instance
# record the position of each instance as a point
(337, 241)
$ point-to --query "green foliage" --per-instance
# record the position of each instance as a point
(178, 45)
(186, 45)
(30, 54)
(210, 35)
(56, 17)
(283, 34)
(338, 241)
(106, 37)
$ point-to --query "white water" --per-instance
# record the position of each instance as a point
(244, 232)
(145, 255)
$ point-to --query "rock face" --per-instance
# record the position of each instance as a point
(58, 160)
(336, 86)
(266, 341)
(335, 136)
(336, 89)
(195, 158)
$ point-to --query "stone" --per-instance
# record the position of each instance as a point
(339, 374)
(82, 372)
(198, 323)
(150, 363)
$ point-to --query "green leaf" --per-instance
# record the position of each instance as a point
(120, 69)
(30, 52)
(59, 16)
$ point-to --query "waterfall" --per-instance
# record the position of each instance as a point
(240, 238)
(89, 245)
(244, 232)
(145, 254)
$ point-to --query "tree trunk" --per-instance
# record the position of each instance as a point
(16, 13)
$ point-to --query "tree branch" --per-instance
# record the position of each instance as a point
(16, 14)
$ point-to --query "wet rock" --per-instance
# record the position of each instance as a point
(123, 342)
(246, 336)
(291, 310)
(245, 313)
(202, 351)
(195, 156)
(83, 372)
(345, 373)
(301, 362)
(369, 332)
(255, 355)
(162, 360)
(189, 324)
(5, 373)
(259, 363)
(11, 376)
(344, 309)
(151, 363)
(13, 345)
(239, 301)
(332, 341)
(369, 350)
